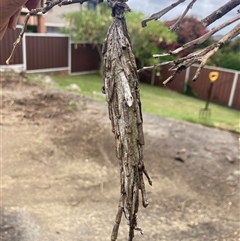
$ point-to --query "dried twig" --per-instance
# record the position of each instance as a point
(158, 15)
(223, 10)
(155, 66)
(175, 26)
(19, 39)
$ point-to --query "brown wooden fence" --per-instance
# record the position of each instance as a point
(221, 88)
(48, 53)
(226, 90)
(236, 98)
(84, 58)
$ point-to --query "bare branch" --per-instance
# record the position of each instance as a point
(154, 66)
(220, 12)
(19, 39)
(175, 26)
(158, 15)
(68, 2)
(201, 39)
(235, 31)
(206, 36)
(206, 21)
(201, 56)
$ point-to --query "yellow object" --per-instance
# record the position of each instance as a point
(213, 76)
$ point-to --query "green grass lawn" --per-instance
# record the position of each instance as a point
(160, 101)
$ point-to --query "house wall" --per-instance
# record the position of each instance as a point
(54, 18)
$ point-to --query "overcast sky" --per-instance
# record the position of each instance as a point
(201, 9)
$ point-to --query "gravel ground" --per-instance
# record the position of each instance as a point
(60, 174)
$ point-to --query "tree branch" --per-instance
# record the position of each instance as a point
(201, 39)
(68, 2)
(201, 56)
(158, 15)
(235, 31)
(220, 12)
(175, 26)
(154, 66)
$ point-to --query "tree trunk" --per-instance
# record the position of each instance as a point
(120, 84)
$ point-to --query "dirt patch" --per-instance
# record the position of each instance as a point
(60, 174)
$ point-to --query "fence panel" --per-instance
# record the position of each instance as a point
(236, 98)
(178, 83)
(221, 88)
(6, 46)
(146, 76)
(46, 52)
(84, 58)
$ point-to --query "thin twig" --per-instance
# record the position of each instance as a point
(19, 39)
(68, 2)
(154, 66)
(174, 62)
(175, 26)
(158, 15)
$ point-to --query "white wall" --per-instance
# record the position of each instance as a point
(54, 17)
